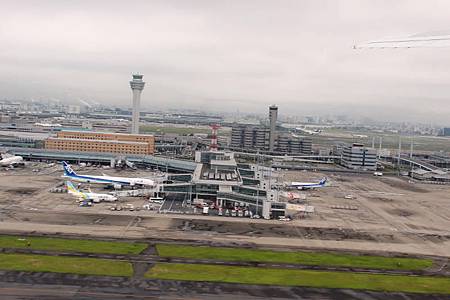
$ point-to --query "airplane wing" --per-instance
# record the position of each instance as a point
(414, 41)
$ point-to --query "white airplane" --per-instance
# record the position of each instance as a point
(360, 136)
(117, 182)
(424, 40)
(11, 160)
(94, 197)
(309, 185)
(309, 131)
(47, 125)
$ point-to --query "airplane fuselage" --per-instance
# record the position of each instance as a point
(105, 179)
(308, 185)
(11, 161)
(100, 179)
(94, 197)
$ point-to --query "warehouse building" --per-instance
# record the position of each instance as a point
(88, 141)
(437, 176)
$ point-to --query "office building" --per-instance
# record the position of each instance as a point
(273, 115)
(445, 131)
(87, 145)
(73, 109)
(250, 137)
(267, 139)
(137, 85)
(286, 143)
(125, 137)
(102, 142)
(254, 138)
(357, 157)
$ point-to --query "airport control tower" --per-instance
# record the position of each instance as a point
(273, 115)
(137, 85)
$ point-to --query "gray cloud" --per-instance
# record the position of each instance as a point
(225, 54)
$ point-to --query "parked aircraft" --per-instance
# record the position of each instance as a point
(309, 185)
(11, 160)
(117, 182)
(94, 197)
(309, 131)
(47, 125)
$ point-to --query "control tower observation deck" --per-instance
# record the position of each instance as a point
(137, 85)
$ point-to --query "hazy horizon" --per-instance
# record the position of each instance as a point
(224, 56)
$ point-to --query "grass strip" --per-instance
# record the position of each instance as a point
(307, 278)
(172, 130)
(304, 258)
(71, 245)
(64, 264)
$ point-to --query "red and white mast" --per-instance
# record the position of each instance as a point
(214, 128)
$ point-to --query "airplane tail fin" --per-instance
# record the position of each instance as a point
(71, 189)
(323, 181)
(5, 155)
(68, 171)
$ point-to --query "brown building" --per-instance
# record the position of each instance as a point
(102, 142)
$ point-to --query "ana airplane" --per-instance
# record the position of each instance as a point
(47, 125)
(117, 182)
(94, 197)
(11, 160)
(309, 131)
(309, 185)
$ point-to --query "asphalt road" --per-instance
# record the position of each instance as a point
(32, 286)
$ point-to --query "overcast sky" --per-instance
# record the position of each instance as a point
(230, 55)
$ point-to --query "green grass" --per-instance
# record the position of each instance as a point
(304, 258)
(319, 279)
(71, 245)
(390, 140)
(61, 264)
(172, 129)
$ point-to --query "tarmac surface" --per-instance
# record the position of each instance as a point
(28, 285)
(393, 216)
(389, 214)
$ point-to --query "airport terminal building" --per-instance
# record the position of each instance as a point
(219, 178)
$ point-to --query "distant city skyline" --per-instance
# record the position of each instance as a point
(221, 56)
